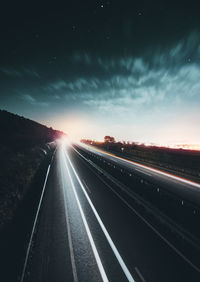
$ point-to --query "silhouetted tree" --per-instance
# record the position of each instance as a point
(109, 139)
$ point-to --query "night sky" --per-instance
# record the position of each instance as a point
(130, 69)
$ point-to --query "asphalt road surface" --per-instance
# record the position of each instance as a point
(89, 228)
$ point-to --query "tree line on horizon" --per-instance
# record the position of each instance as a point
(179, 160)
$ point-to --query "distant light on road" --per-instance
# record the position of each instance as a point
(64, 141)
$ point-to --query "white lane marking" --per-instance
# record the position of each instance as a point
(151, 227)
(34, 225)
(98, 260)
(139, 274)
(69, 235)
(178, 178)
(111, 243)
(141, 171)
(88, 189)
(114, 160)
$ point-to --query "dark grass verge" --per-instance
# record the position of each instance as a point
(14, 237)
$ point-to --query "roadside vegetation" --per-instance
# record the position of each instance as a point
(179, 161)
(23, 146)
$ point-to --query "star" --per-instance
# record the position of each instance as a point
(139, 14)
(101, 6)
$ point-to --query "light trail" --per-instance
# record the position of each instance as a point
(69, 235)
(94, 249)
(111, 243)
(178, 178)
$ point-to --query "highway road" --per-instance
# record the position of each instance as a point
(90, 225)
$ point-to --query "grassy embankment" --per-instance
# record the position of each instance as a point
(23, 147)
(181, 162)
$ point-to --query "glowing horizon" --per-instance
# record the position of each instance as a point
(88, 86)
(177, 133)
(79, 127)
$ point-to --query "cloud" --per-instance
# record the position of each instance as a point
(19, 73)
(159, 80)
(144, 91)
(163, 82)
(170, 77)
(31, 100)
(57, 85)
(28, 98)
(11, 72)
(81, 58)
(77, 85)
(31, 72)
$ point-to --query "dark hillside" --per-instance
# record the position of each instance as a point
(20, 133)
(23, 146)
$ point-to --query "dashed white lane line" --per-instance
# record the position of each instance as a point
(139, 274)
(111, 243)
(86, 186)
(97, 257)
(157, 232)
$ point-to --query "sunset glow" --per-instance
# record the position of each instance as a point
(135, 90)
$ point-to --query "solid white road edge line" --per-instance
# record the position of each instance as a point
(150, 226)
(98, 260)
(143, 172)
(170, 175)
(111, 243)
(34, 225)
